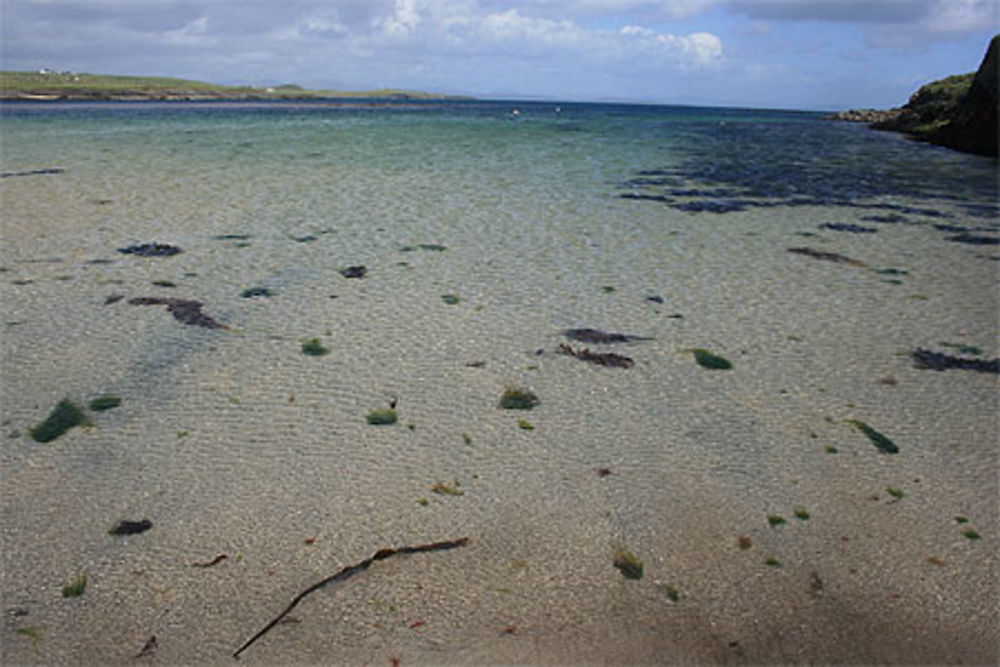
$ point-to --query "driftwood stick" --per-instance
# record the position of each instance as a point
(348, 572)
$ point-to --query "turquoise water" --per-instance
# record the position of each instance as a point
(668, 223)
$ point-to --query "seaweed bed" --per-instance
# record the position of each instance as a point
(828, 256)
(609, 359)
(183, 310)
(151, 250)
(598, 336)
(939, 361)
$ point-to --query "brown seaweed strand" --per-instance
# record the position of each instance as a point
(348, 572)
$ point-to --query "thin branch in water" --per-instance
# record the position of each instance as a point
(348, 572)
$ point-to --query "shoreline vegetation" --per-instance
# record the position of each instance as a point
(46, 85)
(958, 112)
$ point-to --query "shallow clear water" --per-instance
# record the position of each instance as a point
(663, 222)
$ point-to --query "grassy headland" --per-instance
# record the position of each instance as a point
(77, 86)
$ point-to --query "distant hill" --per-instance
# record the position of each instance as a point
(48, 85)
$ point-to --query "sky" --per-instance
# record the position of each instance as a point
(792, 54)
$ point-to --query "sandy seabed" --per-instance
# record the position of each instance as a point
(234, 442)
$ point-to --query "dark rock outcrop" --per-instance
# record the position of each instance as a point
(959, 111)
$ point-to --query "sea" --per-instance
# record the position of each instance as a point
(762, 345)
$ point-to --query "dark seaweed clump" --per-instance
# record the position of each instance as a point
(31, 172)
(711, 361)
(254, 292)
(847, 227)
(125, 527)
(183, 310)
(598, 336)
(937, 361)
(828, 256)
(878, 439)
(609, 359)
(518, 399)
(106, 402)
(354, 272)
(974, 239)
(150, 250)
(63, 417)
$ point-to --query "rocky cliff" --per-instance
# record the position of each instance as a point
(959, 112)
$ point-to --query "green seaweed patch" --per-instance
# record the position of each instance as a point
(254, 292)
(608, 289)
(525, 425)
(775, 520)
(802, 514)
(772, 562)
(382, 417)
(672, 593)
(895, 492)
(466, 438)
(892, 272)
(962, 519)
(63, 417)
(448, 489)
(628, 563)
(971, 534)
(450, 299)
(105, 402)
(830, 449)
(963, 349)
(75, 588)
(34, 634)
(314, 348)
(518, 399)
(710, 361)
(878, 439)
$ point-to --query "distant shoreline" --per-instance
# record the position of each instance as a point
(47, 86)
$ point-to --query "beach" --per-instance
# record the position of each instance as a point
(771, 527)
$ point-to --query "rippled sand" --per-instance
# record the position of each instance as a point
(234, 442)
